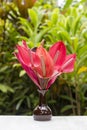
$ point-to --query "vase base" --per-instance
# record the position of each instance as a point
(42, 117)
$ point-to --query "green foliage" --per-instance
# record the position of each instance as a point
(5, 88)
(18, 94)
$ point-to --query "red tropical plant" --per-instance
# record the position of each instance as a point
(44, 66)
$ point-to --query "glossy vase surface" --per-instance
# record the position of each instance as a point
(42, 112)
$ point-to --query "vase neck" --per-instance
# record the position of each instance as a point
(42, 98)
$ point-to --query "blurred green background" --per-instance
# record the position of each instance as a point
(52, 21)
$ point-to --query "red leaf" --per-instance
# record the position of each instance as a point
(46, 62)
(68, 65)
(58, 53)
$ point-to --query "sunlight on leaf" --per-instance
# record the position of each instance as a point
(82, 69)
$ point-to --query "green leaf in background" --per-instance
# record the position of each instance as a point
(65, 35)
(68, 98)
(5, 88)
(25, 25)
(22, 72)
(76, 24)
(19, 104)
(33, 17)
(3, 69)
(54, 16)
(66, 108)
(41, 34)
(67, 4)
(82, 51)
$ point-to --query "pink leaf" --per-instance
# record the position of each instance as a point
(68, 65)
(46, 62)
(58, 53)
(24, 54)
(52, 79)
(29, 71)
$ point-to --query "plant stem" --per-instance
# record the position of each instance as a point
(77, 96)
(73, 108)
(78, 102)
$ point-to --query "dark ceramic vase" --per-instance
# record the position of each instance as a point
(42, 112)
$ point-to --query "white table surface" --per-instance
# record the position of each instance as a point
(57, 123)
